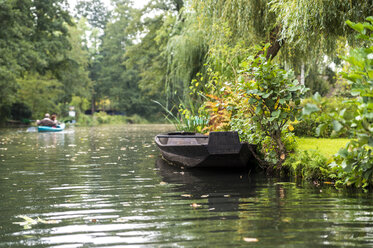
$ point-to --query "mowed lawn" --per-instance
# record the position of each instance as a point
(326, 147)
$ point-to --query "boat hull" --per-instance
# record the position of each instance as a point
(217, 152)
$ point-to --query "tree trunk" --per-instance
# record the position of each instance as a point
(275, 43)
(302, 79)
(93, 104)
(281, 150)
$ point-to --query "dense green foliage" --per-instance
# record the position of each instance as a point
(356, 159)
(320, 117)
(33, 44)
(120, 60)
(353, 164)
(309, 165)
(268, 98)
(101, 118)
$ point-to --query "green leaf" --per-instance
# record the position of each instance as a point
(337, 126)
(370, 141)
(295, 88)
(343, 152)
(342, 112)
(320, 129)
(309, 109)
(240, 79)
(356, 26)
(369, 115)
(317, 97)
(258, 109)
(276, 113)
(267, 95)
(370, 73)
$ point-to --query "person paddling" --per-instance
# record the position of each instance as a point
(46, 121)
(54, 120)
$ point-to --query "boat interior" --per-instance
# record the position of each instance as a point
(178, 139)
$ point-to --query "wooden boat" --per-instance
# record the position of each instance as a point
(58, 128)
(219, 149)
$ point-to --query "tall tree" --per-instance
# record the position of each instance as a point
(75, 75)
(94, 11)
(97, 15)
(117, 83)
(170, 52)
(33, 38)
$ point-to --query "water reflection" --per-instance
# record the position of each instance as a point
(222, 189)
(106, 187)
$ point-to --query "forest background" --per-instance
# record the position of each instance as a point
(195, 60)
(121, 59)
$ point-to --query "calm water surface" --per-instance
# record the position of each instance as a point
(107, 187)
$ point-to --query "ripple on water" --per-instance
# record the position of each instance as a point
(104, 187)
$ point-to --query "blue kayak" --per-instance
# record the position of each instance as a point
(58, 128)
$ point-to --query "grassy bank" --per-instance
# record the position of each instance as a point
(326, 147)
(312, 160)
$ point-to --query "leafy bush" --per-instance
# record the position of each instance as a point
(104, 118)
(85, 120)
(320, 116)
(354, 166)
(259, 104)
(355, 161)
(20, 111)
(270, 97)
(133, 119)
(309, 165)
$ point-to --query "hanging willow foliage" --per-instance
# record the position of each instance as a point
(308, 23)
(302, 24)
(185, 51)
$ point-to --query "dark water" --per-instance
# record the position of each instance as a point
(106, 187)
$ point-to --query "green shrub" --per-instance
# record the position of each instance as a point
(103, 118)
(309, 165)
(270, 97)
(354, 166)
(134, 119)
(85, 120)
(20, 111)
(320, 116)
(355, 161)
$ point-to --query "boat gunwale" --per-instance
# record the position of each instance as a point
(159, 143)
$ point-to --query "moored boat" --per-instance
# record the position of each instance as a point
(218, 149)
(57, 128)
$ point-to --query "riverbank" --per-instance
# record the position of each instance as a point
(315, 160)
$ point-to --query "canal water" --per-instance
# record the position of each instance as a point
(106, 187)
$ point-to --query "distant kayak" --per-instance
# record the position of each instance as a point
(58, 128)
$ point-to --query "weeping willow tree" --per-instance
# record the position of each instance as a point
(300, 27)
(182, 36)
(170, 53)
(186, 51)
